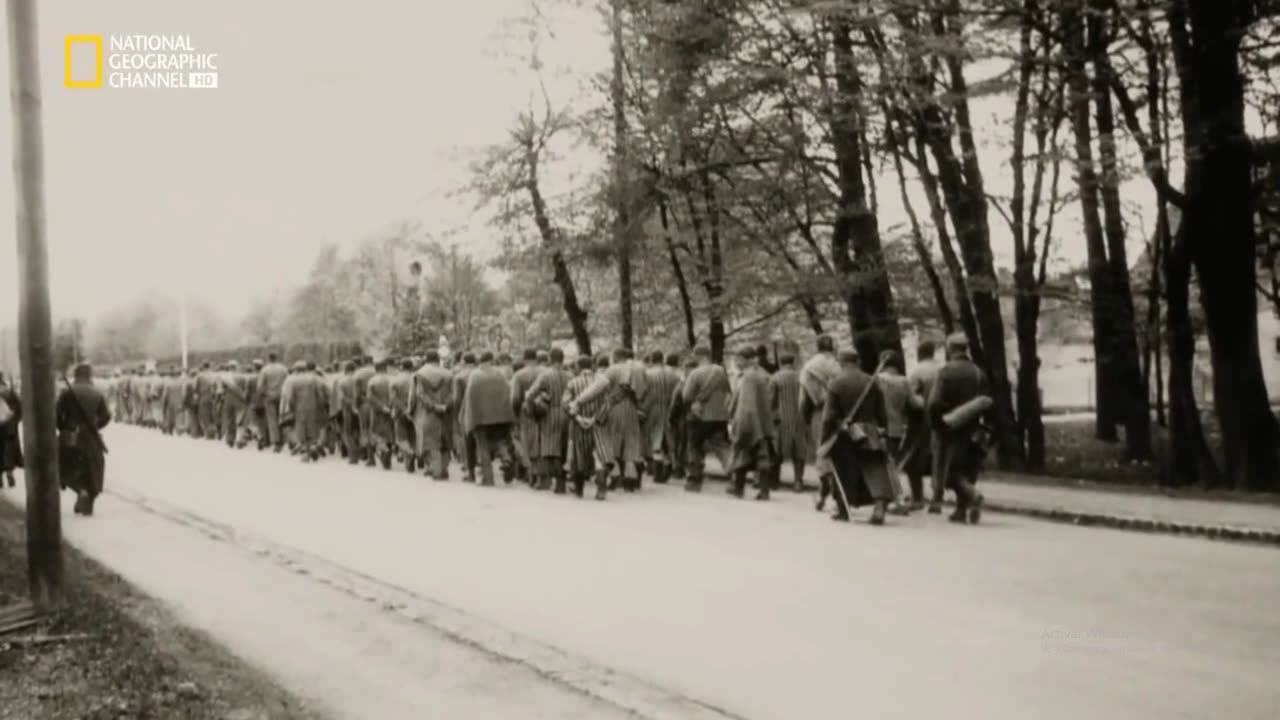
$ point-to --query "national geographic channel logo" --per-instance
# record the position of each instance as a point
(137, 62)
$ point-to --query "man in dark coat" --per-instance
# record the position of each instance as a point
(487, 417)
(81, 413)
(363, 374)
(432, 397)
(793, 432)
(525, 435)
(464, 448)
(853, 422)
(382, 429)
(958, 451)
(751, 427)
(10, 435)
(704, 402)
(401, 385)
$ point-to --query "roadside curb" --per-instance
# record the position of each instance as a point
(1137, 524)
(1228, 533)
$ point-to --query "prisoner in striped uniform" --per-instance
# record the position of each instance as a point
(525, 435)
(582, 427)
(793, 433)
(620, 440)
(545, 402)
(662, 380)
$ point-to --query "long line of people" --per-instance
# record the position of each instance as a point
(607, 421)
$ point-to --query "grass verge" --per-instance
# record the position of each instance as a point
(138, 662)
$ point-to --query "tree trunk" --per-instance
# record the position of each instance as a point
(918, 241)
(856, 249)
(573, 309)
(1219, 223)
(1189, 461)
(1095, 243)
(1129, 382)
(622, 230)
(682, 286)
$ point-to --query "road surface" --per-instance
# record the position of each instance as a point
(353, 584)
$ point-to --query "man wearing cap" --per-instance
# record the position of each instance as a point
(526, 429)
(816, 378)
(303, 400)
(271, 386)
(235, 398)
(581, 450)
(704, 398)
(545, 402)
(363, 374)
(255, 419)
(793, 433)
(957, 455)
(464, 447)
(81, 413)
(381, 415)
(853, 422)
(663, 381)
(487, 417)
(623, 387)
(751, 428)
(401, 384)
(432, 396)
(917, 460)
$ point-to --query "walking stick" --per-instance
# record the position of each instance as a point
(828, 446)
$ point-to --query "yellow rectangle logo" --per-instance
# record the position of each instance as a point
(67, 76)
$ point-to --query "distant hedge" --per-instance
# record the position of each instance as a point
(320, 352)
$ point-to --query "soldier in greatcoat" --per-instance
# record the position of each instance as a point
(488, 418)
(793, 433)
(704, 399)
(207, 387)
(81, 413)
(853, 422)
(958, 450)
(433, 398)
(545, 403)
(335, 439)
(751, 427)
(662, 381)
(173, 402)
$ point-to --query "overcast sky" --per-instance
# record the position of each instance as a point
(331, 122)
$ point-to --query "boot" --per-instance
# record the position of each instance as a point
(579, 485)
(386, 459)
(693, 484)
(824, 492)
(560, 484)
(602, 483)
(88, 504)
(975, 508)
(738, 485)
(877, 513)
(82, 500)
(762, 493)
(661, 473)
(410, 463)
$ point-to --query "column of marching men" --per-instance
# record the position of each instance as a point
(604, 422)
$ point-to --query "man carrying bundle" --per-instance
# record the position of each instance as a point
(955, 407)
(81, 413)
(853, 422)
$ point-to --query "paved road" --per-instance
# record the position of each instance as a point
(762, 610)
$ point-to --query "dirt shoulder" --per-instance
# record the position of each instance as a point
(138, 661)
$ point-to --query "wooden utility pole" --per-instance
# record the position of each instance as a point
(35, 327)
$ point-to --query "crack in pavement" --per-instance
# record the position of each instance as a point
(630, 694)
